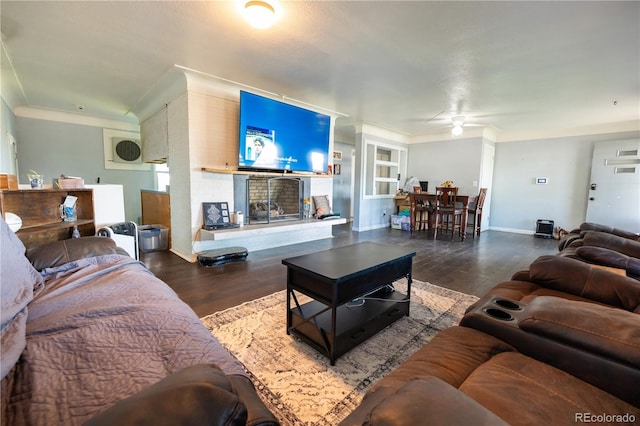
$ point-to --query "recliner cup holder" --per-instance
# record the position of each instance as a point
(499, 314)
(508, 304)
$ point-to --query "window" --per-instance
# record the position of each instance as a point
(384, 164)
(162, 176)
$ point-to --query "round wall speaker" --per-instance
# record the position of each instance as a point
(128, 150)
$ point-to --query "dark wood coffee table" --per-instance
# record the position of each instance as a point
(333, 278)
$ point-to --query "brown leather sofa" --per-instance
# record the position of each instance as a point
(557, 344)
(578, 233)
(605, 246)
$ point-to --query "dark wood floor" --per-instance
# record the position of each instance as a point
(472, 266)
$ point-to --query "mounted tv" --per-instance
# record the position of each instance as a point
(275, 136)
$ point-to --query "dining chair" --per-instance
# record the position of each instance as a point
(476, 212)
(448, 216)
(424, 210)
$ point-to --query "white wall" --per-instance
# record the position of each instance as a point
(53, 148)
(455, 159)
(517, 202)
(7, 163)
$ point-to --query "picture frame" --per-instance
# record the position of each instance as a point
(337, 155)
(337, 169)
(216, 214)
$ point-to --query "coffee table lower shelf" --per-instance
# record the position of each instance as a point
(311, 322)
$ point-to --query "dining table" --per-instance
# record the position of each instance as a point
(425, 198)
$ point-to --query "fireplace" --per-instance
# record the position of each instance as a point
(272, 199)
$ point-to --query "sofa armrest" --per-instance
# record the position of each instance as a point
(423, 401)
(597, 344)
(568, 239)
(609, 332)
(64, 251)
(200, 394)
(606, 257)
(581, 279)
(257, 413)
(521, 276)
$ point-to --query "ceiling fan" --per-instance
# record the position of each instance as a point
(457, 122)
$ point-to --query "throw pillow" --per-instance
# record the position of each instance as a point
(322, 205)
(19, 282)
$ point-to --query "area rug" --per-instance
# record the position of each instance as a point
(297, 383)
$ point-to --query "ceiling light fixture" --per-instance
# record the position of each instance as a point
(456, 131)
(458, 122)
(260, 13)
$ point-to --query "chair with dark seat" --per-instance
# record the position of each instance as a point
(475, 211)
(424, 212)
(448, 216)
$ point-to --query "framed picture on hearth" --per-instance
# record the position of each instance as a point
(215, 214)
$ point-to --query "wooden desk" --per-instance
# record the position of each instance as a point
(426, 198)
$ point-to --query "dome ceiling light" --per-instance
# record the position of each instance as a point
(458, 122)
(260, 14)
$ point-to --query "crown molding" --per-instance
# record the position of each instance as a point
(71, 118)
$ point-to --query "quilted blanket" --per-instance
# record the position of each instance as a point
(103, 329)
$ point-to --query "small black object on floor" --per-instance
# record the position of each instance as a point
(222, 255)
(544, 228)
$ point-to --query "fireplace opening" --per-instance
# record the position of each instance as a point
(272, 199)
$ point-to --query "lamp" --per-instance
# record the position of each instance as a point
(260, 13)
(13, 221)
(458, 122)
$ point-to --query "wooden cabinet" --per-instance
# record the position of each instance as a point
(39, 210)
(156, 209)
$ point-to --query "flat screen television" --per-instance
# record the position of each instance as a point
(276, 136)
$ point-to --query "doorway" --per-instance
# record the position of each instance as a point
(614, 191)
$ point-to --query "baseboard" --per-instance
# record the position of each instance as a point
(512, 230)
(370, 228)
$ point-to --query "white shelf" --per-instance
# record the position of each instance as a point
(256, 173)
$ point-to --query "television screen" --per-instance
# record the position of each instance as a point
(278, 136)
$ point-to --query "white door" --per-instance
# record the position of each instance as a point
(614, 193)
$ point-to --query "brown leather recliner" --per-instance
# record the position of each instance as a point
(605, 246)
(465, 376)
(578, 233)
(558, 344)
(570, 279)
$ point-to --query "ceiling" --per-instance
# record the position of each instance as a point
(525, 69)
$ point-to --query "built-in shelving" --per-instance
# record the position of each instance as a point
(39, 210)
